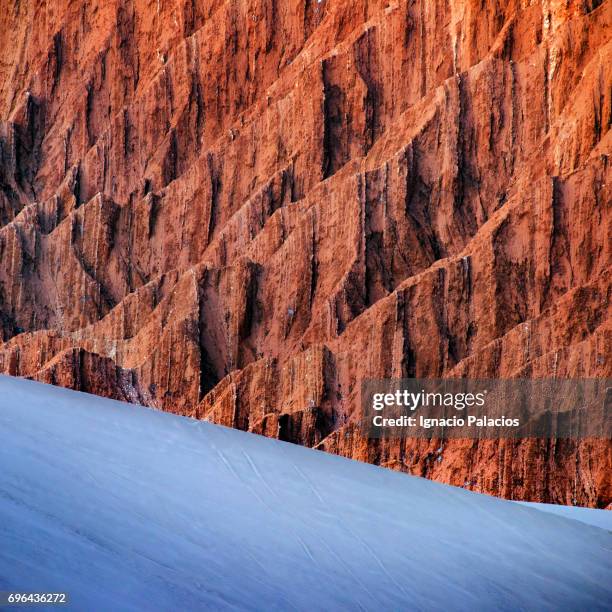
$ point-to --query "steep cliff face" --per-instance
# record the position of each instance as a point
(239, 210)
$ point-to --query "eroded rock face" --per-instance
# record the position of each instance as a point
(239, 210)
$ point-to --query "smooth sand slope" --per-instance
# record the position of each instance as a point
(131, 509)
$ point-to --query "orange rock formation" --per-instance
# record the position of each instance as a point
(240, 210)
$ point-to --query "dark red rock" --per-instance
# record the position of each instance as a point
(238, 211)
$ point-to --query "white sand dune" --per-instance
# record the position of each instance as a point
(126, 508)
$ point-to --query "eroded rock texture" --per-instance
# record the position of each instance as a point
(238, 210)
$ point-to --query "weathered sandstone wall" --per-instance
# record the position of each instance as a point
(239, 210)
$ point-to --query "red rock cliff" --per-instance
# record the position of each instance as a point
(239, 210)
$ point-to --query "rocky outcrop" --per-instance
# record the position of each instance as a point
(239, 211)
